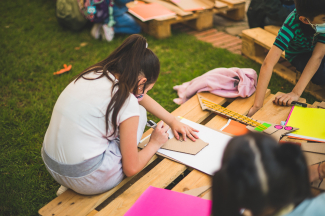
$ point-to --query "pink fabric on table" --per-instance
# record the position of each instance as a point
(225, 82)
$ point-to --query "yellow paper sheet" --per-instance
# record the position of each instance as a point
(310, 121)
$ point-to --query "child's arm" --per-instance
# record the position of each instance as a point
(264, 78)
(134, 161)
(156, 109)
(308, 73)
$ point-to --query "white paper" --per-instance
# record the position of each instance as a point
(208, 160)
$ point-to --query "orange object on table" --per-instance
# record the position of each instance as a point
(235, 128)
(65, 69)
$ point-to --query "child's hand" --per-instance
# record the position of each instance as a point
(252, 111)
(185, 130)
(159, 136)
(286, 99)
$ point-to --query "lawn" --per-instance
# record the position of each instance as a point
(32, 47)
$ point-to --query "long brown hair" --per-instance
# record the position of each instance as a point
(129, 60)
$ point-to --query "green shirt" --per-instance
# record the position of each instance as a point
(293, 40)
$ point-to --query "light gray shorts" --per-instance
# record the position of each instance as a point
(95, 175)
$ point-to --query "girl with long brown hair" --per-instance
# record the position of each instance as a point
(99, 118)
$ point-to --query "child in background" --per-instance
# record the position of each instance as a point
(265, 178)
(302, 37)
(268, 12)
(97, 122)
(122, 22)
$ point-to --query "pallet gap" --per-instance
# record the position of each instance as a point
(127, 185)
(178, 179)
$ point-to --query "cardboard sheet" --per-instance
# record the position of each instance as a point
(313, 147)
(198, 191)
(318, 184)
(313, 158)
(235, 128)
(150, 11)
(310, 121)
(208, 160)
(188, 146)
(162, 202)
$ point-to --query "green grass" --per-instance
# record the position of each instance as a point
(32, 47)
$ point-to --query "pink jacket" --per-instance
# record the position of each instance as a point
(225, 82)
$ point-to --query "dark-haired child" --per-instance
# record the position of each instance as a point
(97, 121)
(264, 178)
(302, 37)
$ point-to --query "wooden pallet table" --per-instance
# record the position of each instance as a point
(255, 44)
(198, 20)
(161, 172)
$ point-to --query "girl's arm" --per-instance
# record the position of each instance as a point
(134, 161)
(156, 109)
(264, 78)
(308, 73)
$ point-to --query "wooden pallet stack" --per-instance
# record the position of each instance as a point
(198, 19)
(255, 44)
(161, 172)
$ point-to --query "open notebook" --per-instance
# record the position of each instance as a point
(208, 160)
(310, 121)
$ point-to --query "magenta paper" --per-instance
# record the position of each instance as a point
(162, 202)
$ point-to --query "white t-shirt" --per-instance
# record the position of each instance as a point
(77, 130)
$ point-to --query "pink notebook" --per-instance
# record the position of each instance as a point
(162, 202)
(150, 11)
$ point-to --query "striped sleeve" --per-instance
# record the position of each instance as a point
(321, 38)
(286, 32)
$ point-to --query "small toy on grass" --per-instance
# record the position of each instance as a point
(65, 69)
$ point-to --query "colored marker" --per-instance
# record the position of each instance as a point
(296, 103)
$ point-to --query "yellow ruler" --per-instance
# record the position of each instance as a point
(209, 105)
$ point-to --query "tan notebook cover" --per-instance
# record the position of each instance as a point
(188, 146)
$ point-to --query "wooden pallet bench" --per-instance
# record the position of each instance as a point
(198, 20)
(161, 172)
(255, 45)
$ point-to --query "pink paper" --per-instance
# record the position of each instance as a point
(162, 202)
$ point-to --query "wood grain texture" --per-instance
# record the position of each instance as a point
(72, 203)
(273, 113)
(239, 105)
(161, 176)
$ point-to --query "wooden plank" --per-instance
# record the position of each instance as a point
(189, 109)
(161, 176)
(76, 204)
(171, 7)
(197, 114)
(220, 5)
(272, 29)
(273, 113)
(234, 3)
(279, 69)
(261, 37)
(194, 179)
(240, 105)
(92, 213)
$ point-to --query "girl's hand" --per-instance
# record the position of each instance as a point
(185, 130)
(159, 136)
(286, 99)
